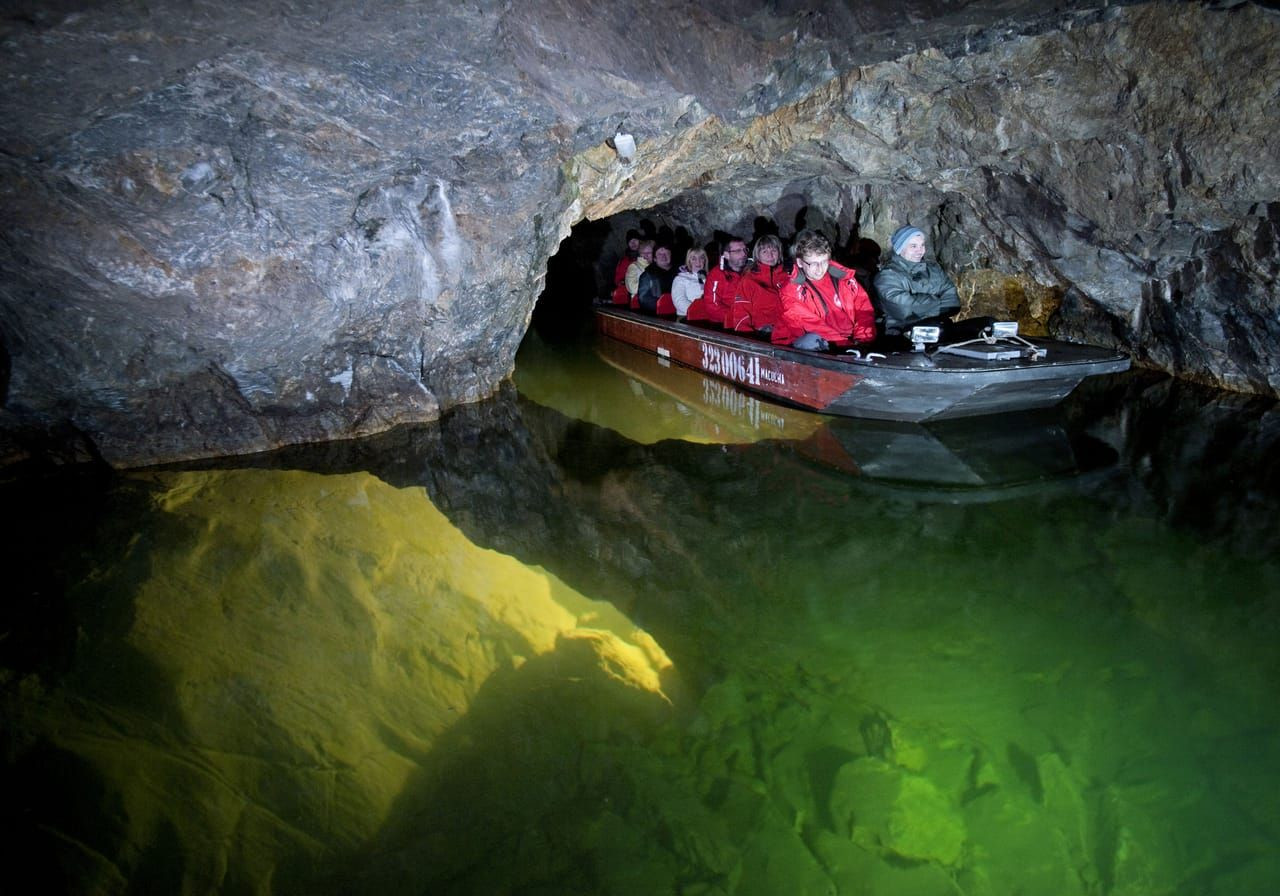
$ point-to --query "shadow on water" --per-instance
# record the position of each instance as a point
(744, 650)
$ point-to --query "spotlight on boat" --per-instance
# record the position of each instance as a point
(922, 336)
(1004, 329)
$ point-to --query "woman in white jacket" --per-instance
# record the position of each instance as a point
(689, 281)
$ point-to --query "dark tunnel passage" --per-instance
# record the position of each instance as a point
(581, 273)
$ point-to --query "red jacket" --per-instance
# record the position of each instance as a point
(758, 302)
(717, 297)
(843, 315)
(620, 272)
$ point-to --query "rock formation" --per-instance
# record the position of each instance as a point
(233, 227)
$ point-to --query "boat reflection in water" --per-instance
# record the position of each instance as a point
(969, 458)
(655, 399)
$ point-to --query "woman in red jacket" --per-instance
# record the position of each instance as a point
(757, 305)
(823, 304)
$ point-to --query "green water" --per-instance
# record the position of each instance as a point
(627, 632)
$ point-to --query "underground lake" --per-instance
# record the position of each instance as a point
(624, 630)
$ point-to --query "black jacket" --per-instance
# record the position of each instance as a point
(912, 291)
(654, 281)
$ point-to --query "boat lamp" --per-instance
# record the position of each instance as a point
(922, 336)
(1004, 329)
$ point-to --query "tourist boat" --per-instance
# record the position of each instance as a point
(960, 460)
(995, 374)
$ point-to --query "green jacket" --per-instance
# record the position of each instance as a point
(913, 291)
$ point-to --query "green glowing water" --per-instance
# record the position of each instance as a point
(633, 634)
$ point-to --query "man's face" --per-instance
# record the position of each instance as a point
(735, 255)
(913, 249)
(633, 244)
(814, 265)
(646, 252)
(663, 258)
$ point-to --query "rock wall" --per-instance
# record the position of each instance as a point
(233, 227)
(1097, 160)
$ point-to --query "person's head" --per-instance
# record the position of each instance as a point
(813, 253)
(662, 257)
(908, 242)
(695, 260)
(633, 241)
(735, 254)
(645, 250)
(768, 250)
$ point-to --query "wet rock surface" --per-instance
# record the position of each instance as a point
(228, 229)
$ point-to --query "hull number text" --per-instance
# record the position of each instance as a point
(738, 366)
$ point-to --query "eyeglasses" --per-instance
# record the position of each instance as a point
(814, 264)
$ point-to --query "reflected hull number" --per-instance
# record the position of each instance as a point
(738, 366)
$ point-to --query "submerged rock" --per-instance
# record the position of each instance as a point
(897, 813)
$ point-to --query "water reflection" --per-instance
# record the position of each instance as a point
(613, 637)
(647, 399)
(977, 458)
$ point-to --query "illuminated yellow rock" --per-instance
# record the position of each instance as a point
(296, 647)
(1005, 296)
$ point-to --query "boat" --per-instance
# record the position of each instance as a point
(890, 380)
(960, 460)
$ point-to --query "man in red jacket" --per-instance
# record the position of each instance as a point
(823, 304)
(721, 286)
(633, 247)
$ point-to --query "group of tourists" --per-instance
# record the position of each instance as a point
(815, 303)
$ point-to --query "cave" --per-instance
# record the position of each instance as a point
(231, 231)
(344, 558)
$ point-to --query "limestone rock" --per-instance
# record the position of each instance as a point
(232, 228)
(290, 723)
(898, 813)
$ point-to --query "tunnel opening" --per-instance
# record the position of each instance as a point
(976, 239)
(582, 271)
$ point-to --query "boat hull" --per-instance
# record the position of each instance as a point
(906, 386)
